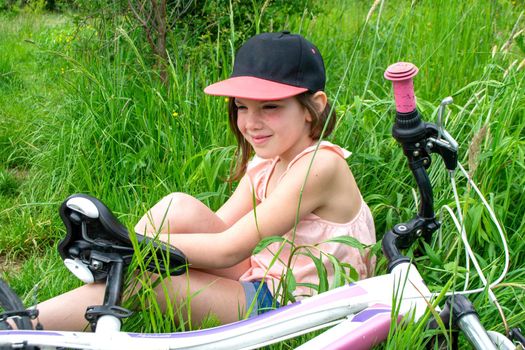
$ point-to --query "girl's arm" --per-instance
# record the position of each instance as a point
(275, 216)
(239, 203)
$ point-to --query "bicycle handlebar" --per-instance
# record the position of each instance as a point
(418, 140)
(401, 74)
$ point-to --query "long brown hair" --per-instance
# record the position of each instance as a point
(244, 150)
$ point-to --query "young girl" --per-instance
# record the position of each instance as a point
(303, 190)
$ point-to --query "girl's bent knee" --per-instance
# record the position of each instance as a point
(175, 212)
(176, 197)
(179, 201)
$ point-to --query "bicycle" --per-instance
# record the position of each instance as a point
(358, 315)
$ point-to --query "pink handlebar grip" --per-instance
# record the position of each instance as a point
(401, 74)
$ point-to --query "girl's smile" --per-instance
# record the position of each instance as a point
(258, 140)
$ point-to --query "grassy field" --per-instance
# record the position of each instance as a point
(83, 113)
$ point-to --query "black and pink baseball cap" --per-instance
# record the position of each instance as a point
(273, 66)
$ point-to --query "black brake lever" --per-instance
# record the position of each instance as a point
(446, 147)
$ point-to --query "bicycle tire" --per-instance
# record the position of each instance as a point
(9, 301)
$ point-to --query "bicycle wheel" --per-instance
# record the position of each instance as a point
(9, 301)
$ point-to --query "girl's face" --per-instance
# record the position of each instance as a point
(274, 128)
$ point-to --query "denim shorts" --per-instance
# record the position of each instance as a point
(264, 302)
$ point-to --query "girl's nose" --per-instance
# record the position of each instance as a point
(253, 120)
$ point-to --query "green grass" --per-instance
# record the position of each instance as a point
(77, 116)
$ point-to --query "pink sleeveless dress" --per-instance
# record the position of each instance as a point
(310, 230)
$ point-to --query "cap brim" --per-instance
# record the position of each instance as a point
(253, 88)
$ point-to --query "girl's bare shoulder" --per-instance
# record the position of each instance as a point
(335, 185)
(325, 162)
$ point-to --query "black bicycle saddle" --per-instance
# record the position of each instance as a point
(94, 233)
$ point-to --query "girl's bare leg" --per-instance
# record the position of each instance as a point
(202, 294)
(66, 311)
(182, 213)
(179, 213)
(205, 294)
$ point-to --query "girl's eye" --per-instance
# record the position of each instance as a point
(239, 107)
(270, 107)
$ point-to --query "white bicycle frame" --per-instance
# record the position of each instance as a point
(359, 314)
